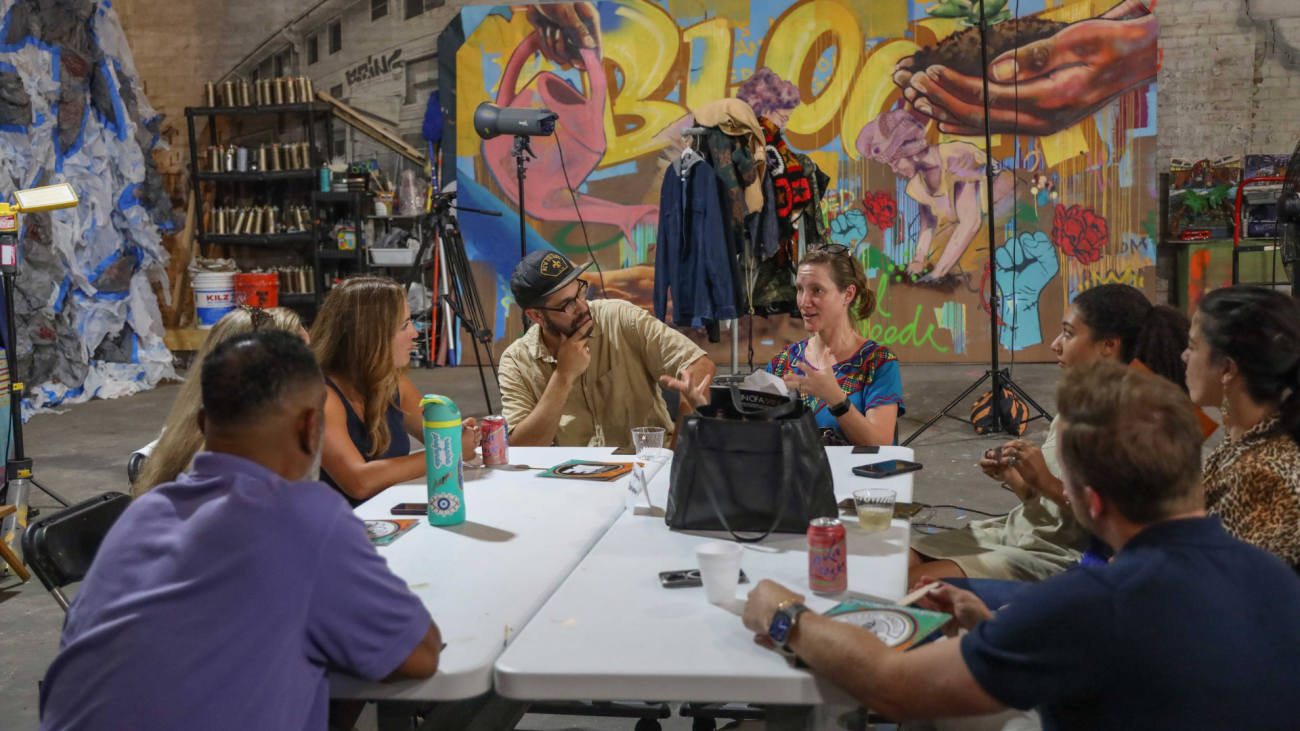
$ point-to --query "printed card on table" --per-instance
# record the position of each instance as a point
(898, 627)
(384, 532)
(577, 469)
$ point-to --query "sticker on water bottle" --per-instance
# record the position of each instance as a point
(444, 504)
(443, 451)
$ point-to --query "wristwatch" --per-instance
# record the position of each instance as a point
(841, 408)
(783, 623)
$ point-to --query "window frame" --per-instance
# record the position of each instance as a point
(335, 31)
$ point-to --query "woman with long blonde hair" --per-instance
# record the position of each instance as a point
(362, 338)
(181, 439)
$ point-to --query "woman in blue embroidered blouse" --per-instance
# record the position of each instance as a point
(849, 382)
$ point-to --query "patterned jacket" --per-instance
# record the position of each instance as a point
(1253, 485)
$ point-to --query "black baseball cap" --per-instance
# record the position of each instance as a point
(541, 274)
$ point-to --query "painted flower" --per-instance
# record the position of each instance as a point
(444, 504)
(881, 209)
(1079, 232)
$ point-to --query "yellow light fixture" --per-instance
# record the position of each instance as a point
(35, 200)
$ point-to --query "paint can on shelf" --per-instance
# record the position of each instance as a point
(258, 289)
(214, 296)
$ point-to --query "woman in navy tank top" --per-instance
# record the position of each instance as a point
(362, 338)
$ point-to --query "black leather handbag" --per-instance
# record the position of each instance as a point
(764, 472)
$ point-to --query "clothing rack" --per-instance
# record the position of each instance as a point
(696, 133)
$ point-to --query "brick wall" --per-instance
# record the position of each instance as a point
(1229, 78)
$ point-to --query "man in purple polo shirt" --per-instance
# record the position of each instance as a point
(219, 600)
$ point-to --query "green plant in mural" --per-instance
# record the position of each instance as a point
(968, 11)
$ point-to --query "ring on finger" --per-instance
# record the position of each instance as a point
(1012, 461)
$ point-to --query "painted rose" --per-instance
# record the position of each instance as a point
(881, 209)
(1079, 232)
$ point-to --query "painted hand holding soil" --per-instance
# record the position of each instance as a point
(1044, 77)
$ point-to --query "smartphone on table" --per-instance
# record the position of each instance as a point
(888, 468)
(410, 509)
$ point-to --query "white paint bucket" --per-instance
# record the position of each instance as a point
(214, 296)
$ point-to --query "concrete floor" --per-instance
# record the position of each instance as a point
(84, 451)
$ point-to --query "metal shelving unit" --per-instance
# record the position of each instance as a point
(323, 203)
(310, 113)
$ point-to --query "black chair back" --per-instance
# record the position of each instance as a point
(59, 548)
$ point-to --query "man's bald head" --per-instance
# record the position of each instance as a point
(263, 399)
(250, 375)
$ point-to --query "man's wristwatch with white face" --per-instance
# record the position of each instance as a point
(783, 624)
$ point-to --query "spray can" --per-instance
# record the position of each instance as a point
(210, 94)
(241, 159)
(442, 460)
(278, 87)
(290, 91)
(16, 523)
(244, 95)
(310, 90)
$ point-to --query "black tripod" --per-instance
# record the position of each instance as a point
(18, 469)
(998, 375)
(463, 296)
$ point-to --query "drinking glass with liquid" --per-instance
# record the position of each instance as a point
(875, 508)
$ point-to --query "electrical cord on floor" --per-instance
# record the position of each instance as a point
(574, 196)
(924, 522)
(969, 510)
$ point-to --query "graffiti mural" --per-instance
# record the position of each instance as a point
(884, 100)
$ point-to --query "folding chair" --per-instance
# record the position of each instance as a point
(60, 548)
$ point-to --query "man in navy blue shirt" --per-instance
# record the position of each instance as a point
(1187, 628)
(219, 600)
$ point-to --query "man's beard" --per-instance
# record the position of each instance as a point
(313, 473)
(556, 331)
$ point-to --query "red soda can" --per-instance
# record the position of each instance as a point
(493, 442)
(828, 560)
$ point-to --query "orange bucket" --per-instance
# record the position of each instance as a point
(258, 290)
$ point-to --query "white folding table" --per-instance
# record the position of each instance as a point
(483, 580)
(612, 632)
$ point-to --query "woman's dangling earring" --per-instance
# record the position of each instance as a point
(1223, 409)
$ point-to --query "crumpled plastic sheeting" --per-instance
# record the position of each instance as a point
(88, 321)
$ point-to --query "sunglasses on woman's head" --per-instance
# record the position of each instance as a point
(833, 249)
(258, 315)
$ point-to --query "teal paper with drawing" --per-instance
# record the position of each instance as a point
(442, 460)
(898, 627)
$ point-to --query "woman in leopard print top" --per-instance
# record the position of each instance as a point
(1244, 356)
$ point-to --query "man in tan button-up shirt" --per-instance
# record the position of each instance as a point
(587, 373)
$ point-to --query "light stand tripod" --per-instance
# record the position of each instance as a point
(998, 375)
(522, 152)
(18, 469)
(463, 298)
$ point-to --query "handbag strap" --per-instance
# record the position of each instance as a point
(787, 478)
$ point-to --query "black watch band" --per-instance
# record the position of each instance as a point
(841, 408)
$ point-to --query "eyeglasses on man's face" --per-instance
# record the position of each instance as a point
(570, 305)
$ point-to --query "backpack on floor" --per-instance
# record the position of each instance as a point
(1015, 413)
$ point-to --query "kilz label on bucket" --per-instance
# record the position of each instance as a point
(216, 299)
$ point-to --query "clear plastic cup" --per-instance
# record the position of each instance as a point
(875, 508)
(719, 570)
(649, 442)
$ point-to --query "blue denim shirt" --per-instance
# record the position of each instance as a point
(691, 254)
